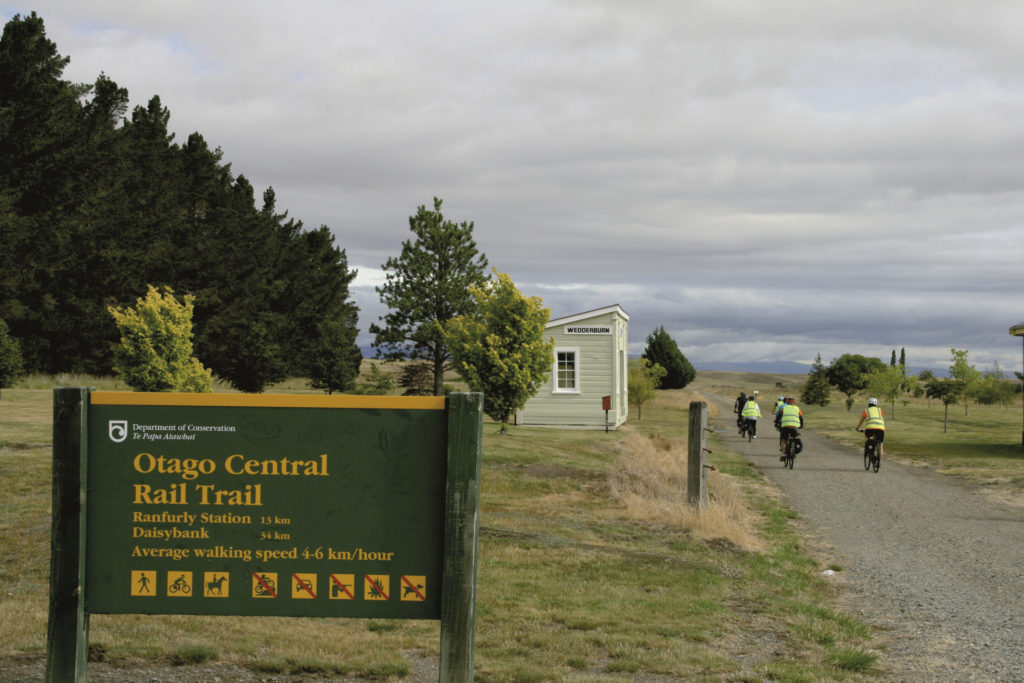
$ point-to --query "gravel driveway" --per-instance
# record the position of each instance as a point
(933, 563)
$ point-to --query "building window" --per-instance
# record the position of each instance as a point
(567, 375)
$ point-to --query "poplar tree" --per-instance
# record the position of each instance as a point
(427, 286)
(500, 350)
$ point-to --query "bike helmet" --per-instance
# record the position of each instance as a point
(872, 401)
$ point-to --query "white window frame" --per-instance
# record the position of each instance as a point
(555, 388)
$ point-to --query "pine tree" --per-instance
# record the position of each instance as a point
(662, 350)
(816, 389)
(427, 286)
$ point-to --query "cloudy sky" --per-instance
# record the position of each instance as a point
(768, 180)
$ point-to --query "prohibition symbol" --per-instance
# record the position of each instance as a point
(143, 583)
(264, 585)
(414, 588)
(342, 586)
(377, 587)
(304, 586)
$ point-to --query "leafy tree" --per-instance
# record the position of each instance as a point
(642, 384)
(10, 357)
(948, 391)
(848, 373)
(427, 286)
(924, 378)
(501, 350)
(662, 350)
(816, 389)
(887, 384)
(966, 373)
(156, 345)
(994, 388)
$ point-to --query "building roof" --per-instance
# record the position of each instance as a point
(565, 320)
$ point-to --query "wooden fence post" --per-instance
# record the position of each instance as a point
(697, 478)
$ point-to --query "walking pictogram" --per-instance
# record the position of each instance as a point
(343, 586)
(264, 584)
(377, 587)
(143, 583)
(179, 584)
(215, 584)
(414, 588)
(304, 586)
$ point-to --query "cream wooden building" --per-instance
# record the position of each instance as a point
(590, 362)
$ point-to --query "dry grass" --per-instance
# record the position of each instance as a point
(649, 478)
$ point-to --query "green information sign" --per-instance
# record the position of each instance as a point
(265, 505)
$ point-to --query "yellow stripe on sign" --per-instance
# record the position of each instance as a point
(142, 398)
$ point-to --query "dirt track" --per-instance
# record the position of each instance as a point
(937, 566)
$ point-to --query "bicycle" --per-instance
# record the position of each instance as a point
(180, 584)
(872, 459)
(793, 446)
(749, 426)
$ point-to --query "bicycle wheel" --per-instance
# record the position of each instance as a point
(876, 460)
(868, 456)
(790, 457)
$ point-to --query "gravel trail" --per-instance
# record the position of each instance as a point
(931, 561)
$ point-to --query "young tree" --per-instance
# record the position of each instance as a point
(816, 390)
(948, 391)
(848, 373)
(427, 286)
(642, 384)
(887, 384)
(501, 350)
(10, 357)
(378, 382)
(156, 345)
(994, 388)
(416, 379)
(966, 373)
(662, 350)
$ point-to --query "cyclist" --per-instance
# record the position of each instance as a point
(737, 407)
(788, 420)
(874, 423)
(779, 402)
(751, 411)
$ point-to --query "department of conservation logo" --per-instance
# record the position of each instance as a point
(117, 430)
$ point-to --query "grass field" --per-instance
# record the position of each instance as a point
(983, 445)
(592, 567)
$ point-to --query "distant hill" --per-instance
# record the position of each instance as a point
(778, 367)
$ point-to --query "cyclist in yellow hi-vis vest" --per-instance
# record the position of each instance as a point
(750, 413)
(788, 420)
(874, 423)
